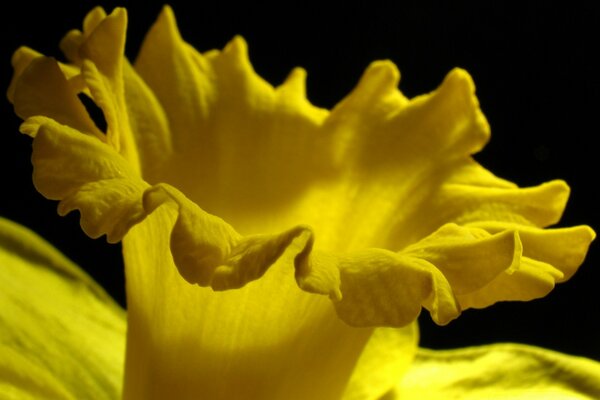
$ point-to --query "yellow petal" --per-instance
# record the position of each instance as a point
(149, 124)
(85, 174)
(371, 131)
(481, 200)
(381, 288)
(548, 256)
(388, 355)
(61, 335)
(501, 371)
(102, 53)
(74, 39)
(234, 137)
(42, 89)
(209, 252)
(20, 61)
(378, 288)
(564, 248)
(378, 128)
(98, 54)
(136, 120)
(265, 340)
(462, 254)
(531, 280)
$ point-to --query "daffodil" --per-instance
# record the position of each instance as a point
(274, 249)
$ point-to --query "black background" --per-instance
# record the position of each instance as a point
(537, 81)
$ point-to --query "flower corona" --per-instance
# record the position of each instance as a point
(275, 249)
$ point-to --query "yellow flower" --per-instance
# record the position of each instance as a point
(274, 249)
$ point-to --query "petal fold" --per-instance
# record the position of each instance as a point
(85, 174)
(149, 124)
(103, 61)
(462, 254)
(540, 205)
(264, 341)
(381, 288)
(232, 135)
(548, 256)
(388, 355)
(377, 127)
(74, 39)
(209, 252)
(42, 89)
(446, 272)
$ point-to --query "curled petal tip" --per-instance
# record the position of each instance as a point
(20, 60)
(93, 19)
(167, 18)
(296, 81)
(461, 73)
(591, 233)
(167, 11)
(237, 48)
(154, 197)
(119, 11)
(385, 70)
(460, 79)
(380, 76)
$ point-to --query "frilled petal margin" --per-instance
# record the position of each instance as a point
(499, 371)
(61, 335)
(423, 230)
(213, 177)
(95, 179)
(49, 305)
(265, 340)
